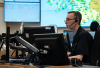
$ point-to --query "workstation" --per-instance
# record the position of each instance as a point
(39, 29)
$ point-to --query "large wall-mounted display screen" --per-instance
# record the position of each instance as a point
(23, 10)
(24, 0)
(55, 11)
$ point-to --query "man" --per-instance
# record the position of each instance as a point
(82, 40)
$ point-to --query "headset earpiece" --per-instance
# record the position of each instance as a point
(76, 16)
(76, 20)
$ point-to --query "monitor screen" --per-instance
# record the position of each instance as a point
(71, 35)
(28, 0)
(30, 30)
(67, 41)
(55, 11)
(8, 0)
(21, 11)
(53, 49)
(24, 0)
(92, 33)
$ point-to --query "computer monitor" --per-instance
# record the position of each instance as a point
(22, 10)
(30, 30)
(71, 35)
(67, 41)
(53, 49)
(92, 33)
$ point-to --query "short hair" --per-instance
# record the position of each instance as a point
(77, 15)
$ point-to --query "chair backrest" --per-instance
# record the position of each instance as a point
(95, 49)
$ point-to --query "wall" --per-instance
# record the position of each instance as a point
(1, 1)
(16, 26)
(2, 23)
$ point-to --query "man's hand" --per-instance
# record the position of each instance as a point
(80, 57)
(68, 53)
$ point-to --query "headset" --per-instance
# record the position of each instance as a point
(76, 16)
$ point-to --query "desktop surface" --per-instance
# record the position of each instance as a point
(68, 66)
(87, 66)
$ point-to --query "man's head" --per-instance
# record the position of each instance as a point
(73, 18)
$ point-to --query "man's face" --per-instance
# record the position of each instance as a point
(70, 21)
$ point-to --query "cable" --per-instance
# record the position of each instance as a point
(76, 63)
(1, 44)
(35, 59)
(77, 66)
(12, 53)
(31, 60)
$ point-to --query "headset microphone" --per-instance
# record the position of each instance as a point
(71, 24)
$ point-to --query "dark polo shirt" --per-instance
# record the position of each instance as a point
(82, 42)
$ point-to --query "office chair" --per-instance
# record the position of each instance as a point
(95, 47)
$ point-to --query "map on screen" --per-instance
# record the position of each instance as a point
(24, 0)
(55, 11)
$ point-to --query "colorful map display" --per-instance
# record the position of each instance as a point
(55, 11)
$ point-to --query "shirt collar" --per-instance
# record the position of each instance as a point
(78, 31)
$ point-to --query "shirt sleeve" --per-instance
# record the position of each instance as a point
(82, 46)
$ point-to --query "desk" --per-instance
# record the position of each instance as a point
(87, 66)
(83, 66)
